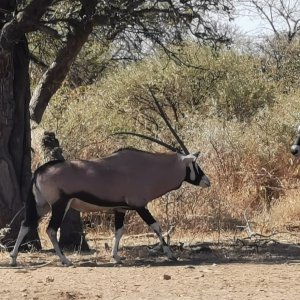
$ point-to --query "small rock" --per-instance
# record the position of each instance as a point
(49, 279)
(166, 277)
(190, 267)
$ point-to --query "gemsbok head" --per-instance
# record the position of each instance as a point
(295, 149)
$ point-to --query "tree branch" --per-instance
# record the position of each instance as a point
(23, 22)
(54, 76)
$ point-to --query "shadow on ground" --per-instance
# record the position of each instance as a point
(239, 251)
(266, 251)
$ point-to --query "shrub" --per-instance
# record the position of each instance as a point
(223, 106)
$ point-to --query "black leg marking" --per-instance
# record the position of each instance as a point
(31, 216)
(58, 212)
(145, 214)
(148, 218)
(119, 219)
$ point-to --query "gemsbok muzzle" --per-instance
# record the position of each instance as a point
(295, 149)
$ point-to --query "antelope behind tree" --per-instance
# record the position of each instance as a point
(126, 180)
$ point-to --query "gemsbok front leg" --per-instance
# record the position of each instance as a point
(119, 229)
(59, 209)
(148, 218)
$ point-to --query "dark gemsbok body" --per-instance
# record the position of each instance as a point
(126, 180)
(295, 149)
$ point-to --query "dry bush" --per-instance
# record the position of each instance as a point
(225, 85)
(245, 152)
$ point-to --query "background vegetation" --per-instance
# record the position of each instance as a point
(239, 109)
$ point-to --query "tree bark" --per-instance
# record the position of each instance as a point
(15, 162)
(15, 143)
(10, 195)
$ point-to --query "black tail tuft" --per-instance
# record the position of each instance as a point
(31, 215)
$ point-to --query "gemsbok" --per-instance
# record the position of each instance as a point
(128, 179)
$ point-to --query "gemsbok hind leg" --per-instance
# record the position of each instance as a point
(148, 218)
(30, 222)
(22, 233)
(59, 209)
(119, 229)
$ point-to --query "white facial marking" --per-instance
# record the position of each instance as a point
(192, 173)
(299, 129)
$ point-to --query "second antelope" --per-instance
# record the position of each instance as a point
(295, 149)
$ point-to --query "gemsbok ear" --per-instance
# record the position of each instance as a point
(196, 154)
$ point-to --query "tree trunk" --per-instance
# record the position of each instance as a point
(71, 231)
(15, 162)
(10, 193)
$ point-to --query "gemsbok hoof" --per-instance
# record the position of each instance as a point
(118, 259)
(13, 261)
(67, 263)
(13, 264)
(172, 258)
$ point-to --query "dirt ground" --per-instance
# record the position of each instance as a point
(243, 269)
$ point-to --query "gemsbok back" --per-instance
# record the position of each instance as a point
(126, 180)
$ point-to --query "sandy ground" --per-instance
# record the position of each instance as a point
(261, 270)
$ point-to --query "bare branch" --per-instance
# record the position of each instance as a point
(54, 76)
(50, 31)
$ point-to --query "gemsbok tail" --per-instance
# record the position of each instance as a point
(31, 215)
